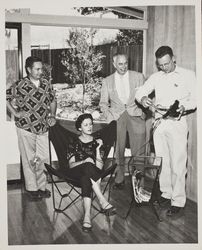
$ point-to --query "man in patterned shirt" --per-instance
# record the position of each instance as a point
(34, 111)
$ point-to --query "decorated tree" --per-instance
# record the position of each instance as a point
(83, 63)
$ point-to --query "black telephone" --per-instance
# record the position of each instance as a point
(172, 111)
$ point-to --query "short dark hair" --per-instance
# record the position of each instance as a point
(81, 118)
(164, 50)
(30, 61)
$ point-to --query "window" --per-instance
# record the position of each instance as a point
(13, 56)
(77, 88)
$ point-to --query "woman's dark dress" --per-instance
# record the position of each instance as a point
(86, 171)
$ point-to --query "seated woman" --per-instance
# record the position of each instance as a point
(86, 165)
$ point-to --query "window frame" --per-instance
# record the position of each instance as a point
(18, 26)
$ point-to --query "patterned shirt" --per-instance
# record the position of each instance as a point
(35, 101)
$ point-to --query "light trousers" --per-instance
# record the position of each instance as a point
(34, 151)
(136, 128)
(170, 142)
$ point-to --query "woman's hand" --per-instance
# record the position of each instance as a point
(89, 159)
(100, 143)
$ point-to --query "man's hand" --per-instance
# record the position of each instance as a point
(159, 106)
(146, 101)
(21, 114)
(51, 121)
(181, 109)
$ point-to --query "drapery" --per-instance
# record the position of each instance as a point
(173, 26)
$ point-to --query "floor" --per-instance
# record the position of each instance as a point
(36, 222)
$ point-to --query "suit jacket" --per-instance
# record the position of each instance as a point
(110, 103)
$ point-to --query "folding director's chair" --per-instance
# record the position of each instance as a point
(61, 138)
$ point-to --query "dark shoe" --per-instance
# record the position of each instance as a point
(163, 201)
(119, 186)
(173, 210)
(86, 229)
(45, 193)
(108, 210)
(34, 195)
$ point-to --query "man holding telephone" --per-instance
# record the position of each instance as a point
(174, 94)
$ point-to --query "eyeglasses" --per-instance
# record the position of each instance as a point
(164, 65)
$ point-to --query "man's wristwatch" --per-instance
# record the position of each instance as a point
(52, 116)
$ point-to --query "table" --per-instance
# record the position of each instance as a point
(144, 175)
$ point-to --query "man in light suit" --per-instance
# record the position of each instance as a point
(118, 103)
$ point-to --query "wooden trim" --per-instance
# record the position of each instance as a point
(144, 69)
(26, 43)
(144, 52)
(65, 21)
(12, 182)
(18, 27)
(127, 11)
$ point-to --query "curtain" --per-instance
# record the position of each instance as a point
(173, 26)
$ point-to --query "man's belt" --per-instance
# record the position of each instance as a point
(172, 111)
(176, 114)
